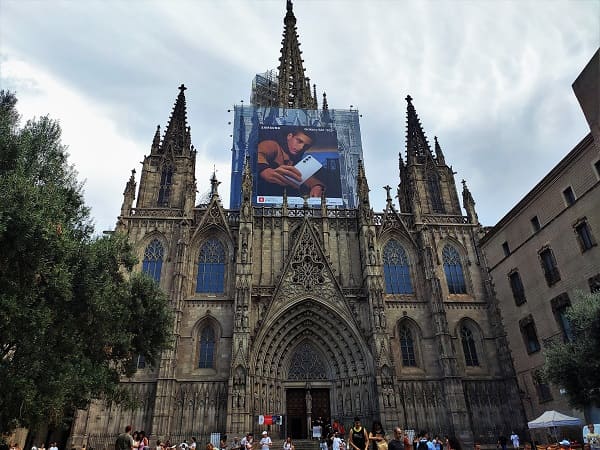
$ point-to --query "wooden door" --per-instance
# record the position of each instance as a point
(296, 413)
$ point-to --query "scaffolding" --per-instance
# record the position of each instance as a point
(264, 89)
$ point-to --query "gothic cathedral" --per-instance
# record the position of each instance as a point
(309, 311)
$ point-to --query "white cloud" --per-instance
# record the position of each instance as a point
(490, 79)
(101, 155)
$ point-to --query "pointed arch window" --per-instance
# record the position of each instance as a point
(454, 271)
(469, 349)
(207, 348)
(407, 347)
(166, 181)
(435, 193)
(153, 259)
(211, 268)
(396, 269)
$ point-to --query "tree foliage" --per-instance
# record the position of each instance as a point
(575, 365)
(73, 315)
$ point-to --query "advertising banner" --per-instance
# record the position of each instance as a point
(302, 161)
(308, 154)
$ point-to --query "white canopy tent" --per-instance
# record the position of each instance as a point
(552, 419)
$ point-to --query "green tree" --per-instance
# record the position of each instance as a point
(73, 315)
(575, 365)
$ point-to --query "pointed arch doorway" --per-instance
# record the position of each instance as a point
(307, 391)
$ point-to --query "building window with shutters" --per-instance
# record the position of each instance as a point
(529, 333)
(549, 266)
(584, 235)
(516, 285)
(560, 304)
(569, 196)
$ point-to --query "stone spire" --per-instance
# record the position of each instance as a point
(293, 87)
(128, 195)
(439, 155)
(177, 136)
(156, 141)
(469, 204)
(417, 146)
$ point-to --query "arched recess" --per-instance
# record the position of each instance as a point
(408, 338)
(470, 342)
(202, 237)
(207, 326)
(453, 257)
(345, 356)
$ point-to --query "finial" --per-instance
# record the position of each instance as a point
(214, 183)
(408, 98)
(182, 88)
(289, 6)
(325, 104)
(388, 188)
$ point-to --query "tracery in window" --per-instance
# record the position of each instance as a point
(211, 267)
(207, 348)
(407, 346)
(454, 271)
(153, 259)
(396, 269)
(468, 344)
(307, 364)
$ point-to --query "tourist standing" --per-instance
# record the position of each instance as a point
(397, 443)
(265, 442)
(124, 440)
(359, 438)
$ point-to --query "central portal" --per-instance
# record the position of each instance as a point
(303, 405)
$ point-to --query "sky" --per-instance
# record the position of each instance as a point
(492, 79)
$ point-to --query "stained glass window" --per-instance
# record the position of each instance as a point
(407, 346)
(454, 271)
(211, 267)
(468, 344)
(153, 259)
(396, 269)
(207, 348)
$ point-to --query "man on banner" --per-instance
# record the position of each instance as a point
(276, 161)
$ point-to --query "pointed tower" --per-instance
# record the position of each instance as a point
(426, 183)
(293, 86)
(168, 176)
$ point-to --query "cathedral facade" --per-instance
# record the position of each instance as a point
(307, 310)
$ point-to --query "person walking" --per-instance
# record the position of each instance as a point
(359, 439)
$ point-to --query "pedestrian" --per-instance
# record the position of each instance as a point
(514, 437)
(397, 442)
(124, 440)
(359, 438)
(265, 442)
